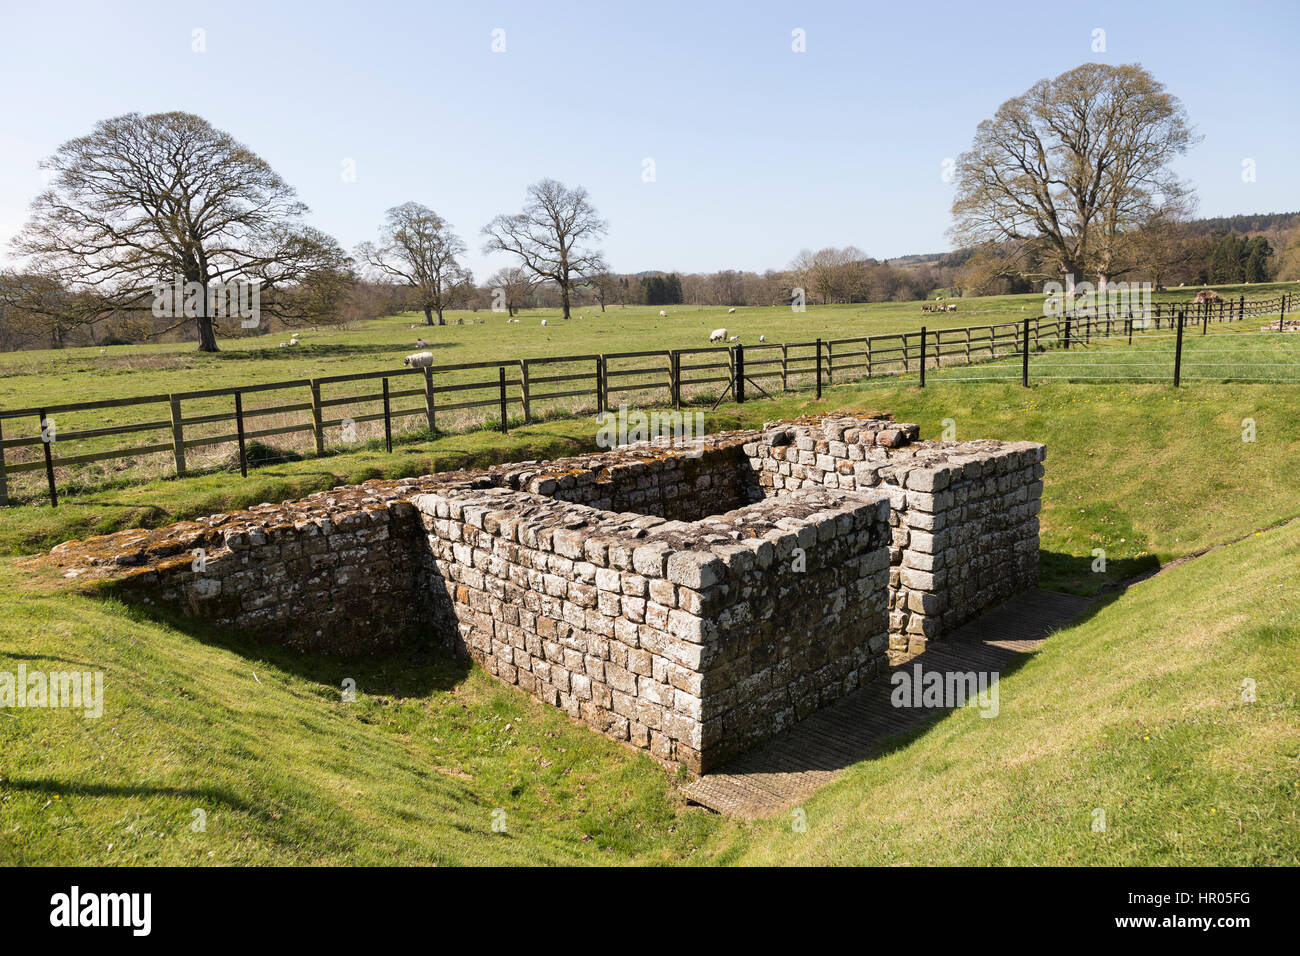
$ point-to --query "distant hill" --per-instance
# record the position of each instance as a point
(1247, 224)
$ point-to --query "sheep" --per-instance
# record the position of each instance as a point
(731, 312)
(717, 335)
(952, 308)
(663, 314)
(543, 323)
(762, 338)
(419, 360)
(420, 343)
(733, 338)
(284, 345)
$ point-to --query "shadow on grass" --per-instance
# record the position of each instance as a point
(1074, 574)
(418, 667)
(63, 788)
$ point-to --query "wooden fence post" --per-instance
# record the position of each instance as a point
(178, 436)
(675, 377)
(923, 356)
(866, 344)
(239, 431)
(1178, 351)
(600, 383)
(4, 479)
(830, 363)
(785, 367)
(428, 399)
(740, 374)
(819, 368)
(316, 427)
(388, 418)
(502, 379)
(1024, 370)
(47, 439)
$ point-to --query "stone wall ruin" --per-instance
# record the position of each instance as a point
(692, 601)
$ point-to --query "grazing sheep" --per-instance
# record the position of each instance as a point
(717, 335)
(543, 322)
(733, 338)
(731, 312)
(284, 345)
(420, 343)
(952, 308)
(419, 360)
(762, 338)
(663, 314)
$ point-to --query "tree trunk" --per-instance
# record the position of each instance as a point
(428, 316)
(440, 320)
(564, 300)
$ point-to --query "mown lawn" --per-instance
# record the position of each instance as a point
(1146, 473)
(1135, 711)
(45, 378)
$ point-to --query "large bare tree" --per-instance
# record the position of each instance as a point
(145, 202)
(418, 248)
(552, 236)
(1073, 166)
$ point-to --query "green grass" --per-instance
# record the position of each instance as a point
(286, 773)
(1239, 353)
(1137, 711)
(1145, 472)
(51, 377)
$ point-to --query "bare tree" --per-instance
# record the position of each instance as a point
(166, 198)
(1072, 165)
(511, 286)
(418, 248)
(551, 236)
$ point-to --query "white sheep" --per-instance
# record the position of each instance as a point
(762, 338)
(419, 360)
(731, 312)
(717, 335)
(663, 314)
(420, 343)
(284, 345)
(543, 323)
(733, 338)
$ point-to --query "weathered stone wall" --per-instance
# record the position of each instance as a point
(690, 639)
(691, 601)
(964, 514)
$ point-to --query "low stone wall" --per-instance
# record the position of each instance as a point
(691, 639)
(964, 514)
(693, 601)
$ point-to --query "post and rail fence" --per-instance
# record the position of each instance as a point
(524, 384)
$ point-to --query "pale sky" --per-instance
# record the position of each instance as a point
(757, 150)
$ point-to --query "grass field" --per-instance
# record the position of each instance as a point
(36, 378)
(1136, 710)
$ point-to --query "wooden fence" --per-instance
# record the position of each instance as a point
(529, 386)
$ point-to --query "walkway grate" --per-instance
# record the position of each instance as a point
(815, 751)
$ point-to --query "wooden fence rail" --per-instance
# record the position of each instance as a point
(673, 376)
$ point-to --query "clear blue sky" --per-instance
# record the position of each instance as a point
(759, 151)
